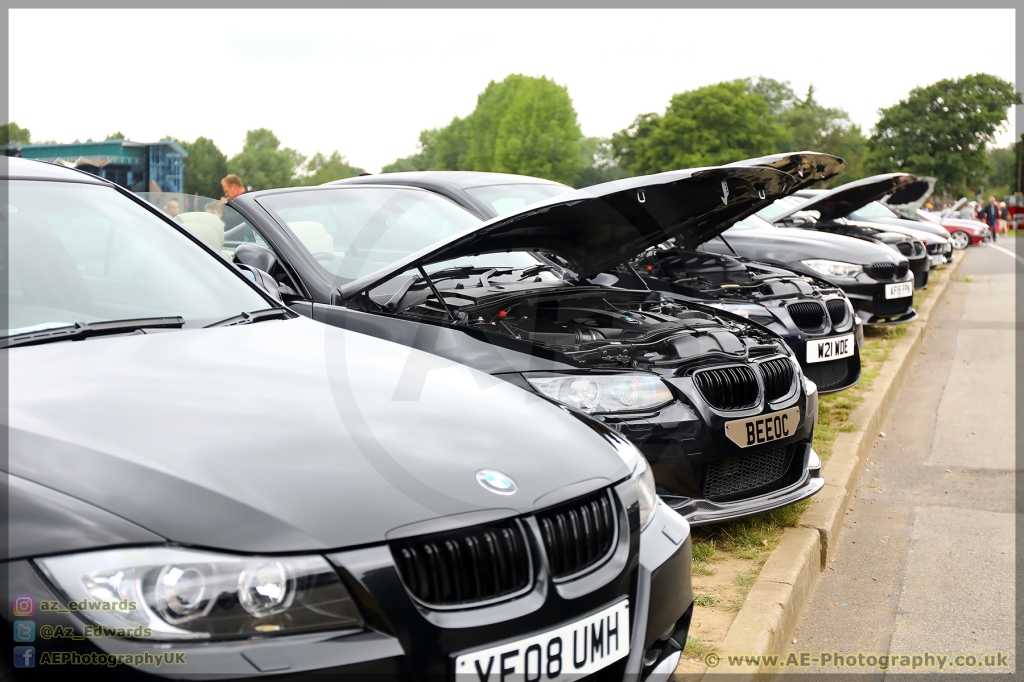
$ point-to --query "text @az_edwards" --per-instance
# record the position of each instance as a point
(835, 659)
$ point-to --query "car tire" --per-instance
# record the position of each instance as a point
(961, 240)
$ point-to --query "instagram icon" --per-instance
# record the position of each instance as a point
(24, 605)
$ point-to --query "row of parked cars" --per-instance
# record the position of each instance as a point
(451, 425)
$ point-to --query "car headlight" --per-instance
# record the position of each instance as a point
(599, 393)
(644, 478)
(833, 267)
(166, 593)
(751, 311)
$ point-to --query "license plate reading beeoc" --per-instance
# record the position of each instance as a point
(899, 290)
(766, 428)
(565, 653)
(834, 348)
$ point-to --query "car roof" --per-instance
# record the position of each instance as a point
(13, 167)
(463, 179)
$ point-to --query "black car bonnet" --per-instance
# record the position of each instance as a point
(912, 196)
(806, 168)
(845, 199)
(599, 227)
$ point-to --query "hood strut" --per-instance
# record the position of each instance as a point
(440, 299)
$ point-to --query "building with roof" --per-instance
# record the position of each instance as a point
(137, 166)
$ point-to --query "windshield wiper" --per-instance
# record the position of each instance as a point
(254, 316)
(83, 330)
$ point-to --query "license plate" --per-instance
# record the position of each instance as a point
(566, 653)
(830, 349)
(936, 260)
(764, 429)
(899, 290)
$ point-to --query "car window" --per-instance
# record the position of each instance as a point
(872, 211)
(780, 206)
(505, 199)
(750, 223)
(217, 224)
(355, 231)
(85, 253)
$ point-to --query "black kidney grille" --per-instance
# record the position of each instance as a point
(902, 269)
(807, 315)
(828, 375)
(577, 535)
(882, 270)
(729, 477)
(838, 311)
(778, 377)
(728, 388)
(918, 248)
(465, 566)
(906, 248)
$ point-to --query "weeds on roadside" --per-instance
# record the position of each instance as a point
(696, 647)
(707, 600)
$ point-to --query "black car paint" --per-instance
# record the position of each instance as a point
(265, 438)
(679, 439)
(789, 247)
(806, 167)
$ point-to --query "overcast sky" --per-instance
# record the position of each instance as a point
(365, 82)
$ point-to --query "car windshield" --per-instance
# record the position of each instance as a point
(220, 226)
(780, 206)
(872, 211)
(82, 253)
(749, 223)
(504, 199)
(356, 231)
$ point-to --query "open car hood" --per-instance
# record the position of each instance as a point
(806, 168)
(846, 199)
(913, 196)
(598, 227)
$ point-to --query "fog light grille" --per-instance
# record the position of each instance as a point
(729, 477)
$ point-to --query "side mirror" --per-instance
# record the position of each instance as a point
(797, 222)
(259, 257)
(263, 279)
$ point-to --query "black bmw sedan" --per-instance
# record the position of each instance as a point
(715, 401)
(202, 484)
(813, 316)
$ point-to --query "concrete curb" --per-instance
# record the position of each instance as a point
(784, 586)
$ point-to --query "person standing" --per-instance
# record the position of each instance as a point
(989, 214)
(233, 188)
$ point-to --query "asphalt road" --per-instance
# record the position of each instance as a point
(925, 562)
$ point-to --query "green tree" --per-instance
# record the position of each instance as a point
(711, 125)
(205, 166)
(321, 169)
(263, 163)
(599, 164)
(116, 136)
(779, 95)
(814, 127)
(12, 133)
(1003, 161)
(520, 125)
(943, 129)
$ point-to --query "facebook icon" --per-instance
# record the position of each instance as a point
(24, 657)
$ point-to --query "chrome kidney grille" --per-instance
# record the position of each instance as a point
(777, 375)
(579, 534)
(465, 566)
(728, 388)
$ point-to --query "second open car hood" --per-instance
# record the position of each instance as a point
(806, 168)
(913, 196)
(845, 199)
(598, 227)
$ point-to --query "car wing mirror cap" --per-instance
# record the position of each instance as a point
(263, 280)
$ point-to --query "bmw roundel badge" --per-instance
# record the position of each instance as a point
(496, 482)
(630, 320)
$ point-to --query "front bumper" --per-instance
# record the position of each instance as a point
(868, 297)
(401, 639)
(701, 512)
